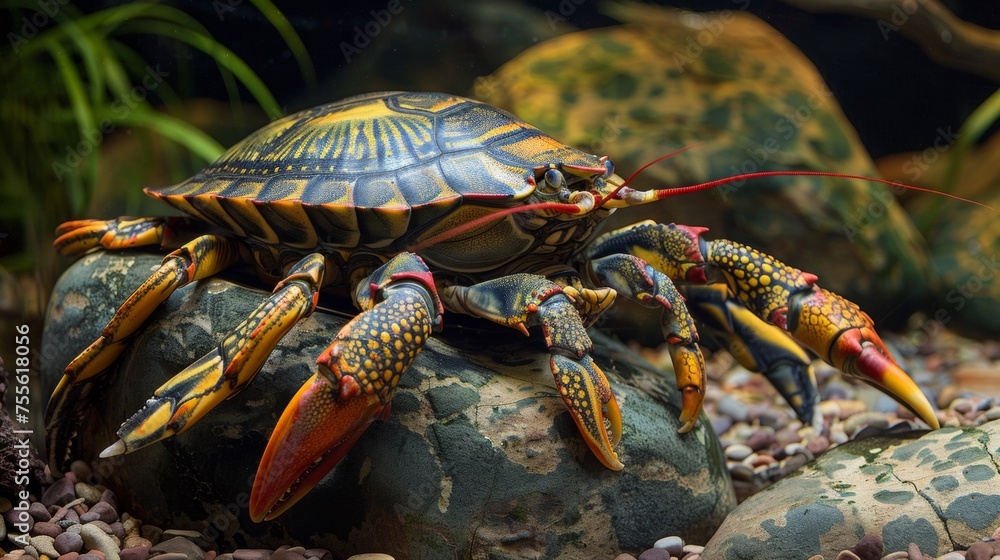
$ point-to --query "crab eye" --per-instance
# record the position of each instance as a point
(554, 180)
(609, 168)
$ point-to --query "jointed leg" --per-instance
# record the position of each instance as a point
(637, 280)
(185, 398)
(354, 384)
(202, 257)
(522, 300)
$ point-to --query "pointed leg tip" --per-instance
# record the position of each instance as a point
(687, 426)
(116, 448)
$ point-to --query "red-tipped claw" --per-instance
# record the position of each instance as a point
(845, 337)
(319, 426)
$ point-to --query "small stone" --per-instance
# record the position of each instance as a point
(251, 554)
(655, 554)
(226, 556)
(992, 413)
(210, 554)
(61, 492)
(673, 545)
(693, 549)
(762, 439)
(861, 419)
(104, 512)
(181, 545)
(39, 511)
(89, 494)
(952, 556)
(5, 505)
(96, 539)
(13, 518)
(838, 436)
(624, 556)
(733, 408)
(117, 530)
(47, 528)
(742, 472)
(870, 547)
(101, 525)
(193, 536)
(90, 556)
(135, 553)
(152, 533)
(371, 556)
(70, 556)
(90, 516)
(318, 554)
(818, 445)
(898, 555)
(846, 555)
(738, 452)
(983, 550)
(109, 497)
(43, 544)
(135, 541)
(68, 542)
(171, 556)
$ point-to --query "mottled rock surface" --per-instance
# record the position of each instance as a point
(478, 455)
(938, 491)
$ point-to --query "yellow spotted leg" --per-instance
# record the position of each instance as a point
(522, 300)
(354, 384)
(833, 327)
(185, 398)
(202, 257)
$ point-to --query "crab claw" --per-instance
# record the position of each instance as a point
(845, 337)
(592, 405)
(319, 426)
(356, 379)
(689, 369)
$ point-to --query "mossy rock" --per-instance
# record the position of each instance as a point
(726, 80)
(937, 490)
(479, 456)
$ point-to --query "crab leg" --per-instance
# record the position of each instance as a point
(637, 280)
(757, 346)
(202, 257)
(78, 236)
(521, 300)
(833, 327)
(356, 378)
(185, 398)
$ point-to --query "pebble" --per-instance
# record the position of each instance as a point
(135, 553)
(179, 545)
(251, 554)
(738, 452)
(762, 439)
(47, 528)
(624, 556)
(96, 539)
(172, 556)
(371, 556)
(61, 492)
(70, 556)
(655, 554)
(733, 408)
(89, 494)
(39, 512)
(68, 542)
(193, 536)
(673, 545)
(152, 533)
(43, 544)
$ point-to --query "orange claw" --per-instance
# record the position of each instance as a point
(845, 337)
(689, 369)
(320, 425)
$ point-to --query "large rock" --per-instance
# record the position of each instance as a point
(938, 490)
(734, 85)
(479, 456)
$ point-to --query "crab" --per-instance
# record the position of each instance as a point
(421, 204)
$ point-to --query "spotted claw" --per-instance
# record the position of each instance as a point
(592, 404)
(354, 385)
(845, 336)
